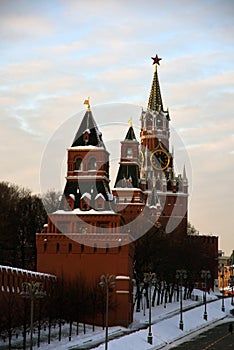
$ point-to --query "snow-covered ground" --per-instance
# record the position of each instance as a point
(165, 327)
(166, 332)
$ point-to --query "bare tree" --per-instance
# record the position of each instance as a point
(51, 200)
(21, 216)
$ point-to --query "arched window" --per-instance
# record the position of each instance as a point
(57, 247)
(149, 120)
(92, 164)
(159, 122)
(83, 230)
(129, 152)
(78, 164)
(103, 228)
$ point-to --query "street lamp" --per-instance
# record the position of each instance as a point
(143, 291)
(204, 275)
(222, 276)
(165, 293)
(150, 279)
(180, 275)
(232, 281)
(107, 281)
(32, 290)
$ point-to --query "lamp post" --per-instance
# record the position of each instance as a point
(32, 290)
(232, 281)
(150, 279)
(107, 281)
(222, 276)
(143, 297)
(180, 275)
(204, 275)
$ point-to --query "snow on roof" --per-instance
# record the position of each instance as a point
(86, 194)
(100, 195)
(122, 278)
(127, 189)
(28, 272)
(110, 196)
(85, 148)
(85, 212)
(72, 196)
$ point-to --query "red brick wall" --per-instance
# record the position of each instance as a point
(91, 261)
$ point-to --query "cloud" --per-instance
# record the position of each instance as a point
(20, 154)
(16, 27)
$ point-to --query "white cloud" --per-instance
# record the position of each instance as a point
(21, 27)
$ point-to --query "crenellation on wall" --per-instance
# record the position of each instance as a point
(11, 278)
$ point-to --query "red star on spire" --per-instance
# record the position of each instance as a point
(156, 60)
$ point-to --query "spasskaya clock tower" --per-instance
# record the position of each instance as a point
(158, 179)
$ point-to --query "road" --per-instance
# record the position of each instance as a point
(217, 338)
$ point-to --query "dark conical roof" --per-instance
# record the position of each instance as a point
(130, 135)
(155, 98)
(73, 188)
(128, 172)
(88, 125)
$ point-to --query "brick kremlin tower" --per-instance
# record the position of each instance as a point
(86, 237)
(146, 178)
(159, 182)
(94, 230)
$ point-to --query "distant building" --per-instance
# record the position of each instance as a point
(225, 273)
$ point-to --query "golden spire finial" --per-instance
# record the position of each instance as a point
(130, 122)
(86, 102)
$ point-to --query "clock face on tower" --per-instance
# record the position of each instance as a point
(160, 159)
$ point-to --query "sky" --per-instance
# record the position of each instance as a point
(55, 54)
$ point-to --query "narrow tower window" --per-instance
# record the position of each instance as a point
(159, 122)
(92, 164)
(149, 120)
(78, 164)
(129, 152)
